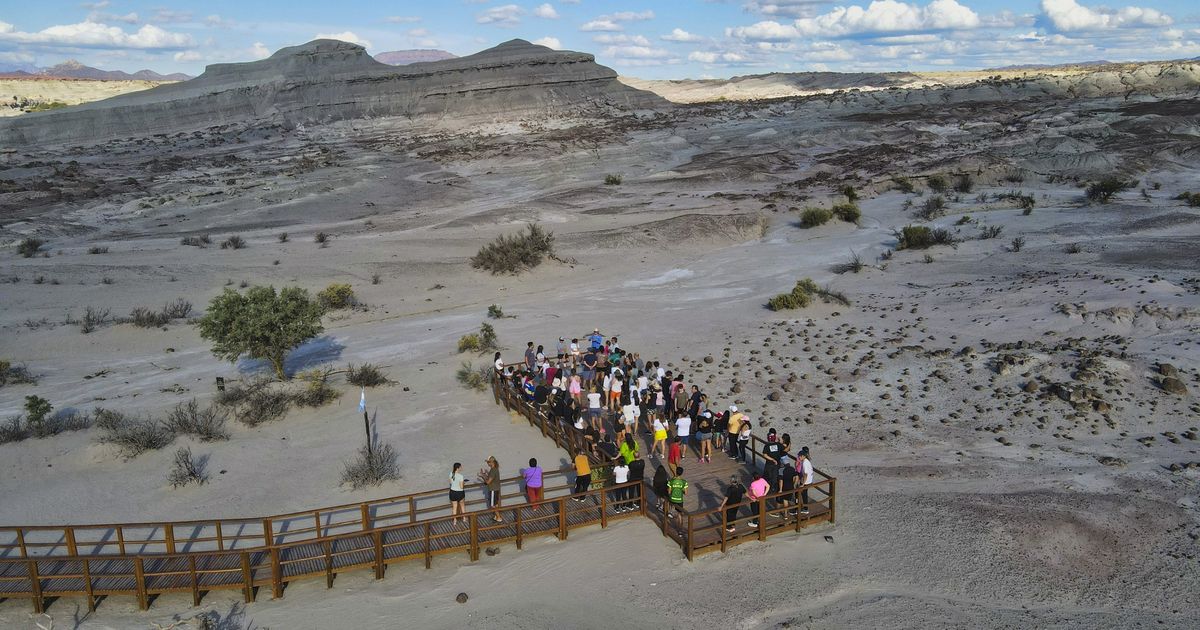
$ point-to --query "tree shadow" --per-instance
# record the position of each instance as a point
(314, 352)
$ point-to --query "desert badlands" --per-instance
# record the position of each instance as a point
(1011, 411)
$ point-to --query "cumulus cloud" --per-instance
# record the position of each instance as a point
(549, 42)
(785, 8)
(716, 57)
(1069, 15)
(345, 36)
(601, 25)
(546, 11)
(636, 52)
(96, 35)
(402, 19)
(887, 16)
(629, 16)
(259, 51)
(621, 38)
(682, 36)
(505, 16)
(766, 31)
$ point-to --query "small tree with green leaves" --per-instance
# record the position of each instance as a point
(37, 409)
(261, 323)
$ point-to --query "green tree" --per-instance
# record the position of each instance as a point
(36, 410)
(261, 323)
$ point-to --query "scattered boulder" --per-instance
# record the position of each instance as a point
(1166, 369)
(709, 359)
(462, 598)
(774, 396)
(1031, 387)
(1172, 385)
(1111, 461)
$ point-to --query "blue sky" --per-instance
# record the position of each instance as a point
(676, 39)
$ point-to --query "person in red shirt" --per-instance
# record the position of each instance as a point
(675, 454)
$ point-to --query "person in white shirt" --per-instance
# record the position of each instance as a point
(621, 475)
(499, 364)
(574, 348)
(594, 398)
(683, 428)
(642, 383)
(805, 467)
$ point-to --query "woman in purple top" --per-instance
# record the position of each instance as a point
(533, 481)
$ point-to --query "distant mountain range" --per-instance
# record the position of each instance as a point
(405, 57)
(1051, 66)
(72, 69)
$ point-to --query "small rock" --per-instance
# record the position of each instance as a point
(1166, 369)
(709, 359)
(1172, 385)
(774, 396)
(462, 598)
(1111, 461)
(491, 551)
(1030, 387)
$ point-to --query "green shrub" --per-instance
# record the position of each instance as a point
(495, 312)
(936, 183)
(933, 208)
(514, 254)
(799, 297)
(812, 217)
(847, 212)
(964, 183)
(472, 377)
(1103, 190)
(922, 237)
(904, 184)
(29, 247)
(366, 375)
(849, 192)
(1192, 199)
(336, 296)
(469, 343)
(612, 180)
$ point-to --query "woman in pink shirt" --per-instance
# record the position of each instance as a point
(758, 489)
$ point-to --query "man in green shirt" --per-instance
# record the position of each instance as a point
(676, 490)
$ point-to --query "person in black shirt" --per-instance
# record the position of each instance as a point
(787, 483)
(734, 493)
(637, 472)
(772, 452)
(660, 485)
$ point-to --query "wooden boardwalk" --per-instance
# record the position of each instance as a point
(144, 560)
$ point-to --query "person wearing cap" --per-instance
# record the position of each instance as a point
(743, 440)
(805, 467)
(490, 477)
(733, 429)
(561, 349)
(596, 339)
(734, 493)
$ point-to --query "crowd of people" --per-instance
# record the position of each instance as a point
(610, 396)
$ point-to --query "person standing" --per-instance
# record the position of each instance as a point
(637, 472)
(659, 447)
(562, 348)
(629, 449)
(530, 356)
(498, 365)
(772, 452)
(759, 488)
(805, 468)
(734, 493)
(733, 429)
(659, 484)
(533, 482)
(589, 368)
(743, 440)
(676, 490)
(490, 477)
(704, 436)
(683, 432)
(674, 453)
(787, 485)
(457, 494)
(620, 476)
(583, 476)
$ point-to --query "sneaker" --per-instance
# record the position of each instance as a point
(730, 529)
(804, 511)
(776, 515)
(752, 524)
(792, 512)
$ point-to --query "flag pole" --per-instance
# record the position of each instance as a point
(362, 406)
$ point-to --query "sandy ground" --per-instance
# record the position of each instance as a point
(964, 499)
(71, 92)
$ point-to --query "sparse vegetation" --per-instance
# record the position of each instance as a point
(963, 220)
(96, 249)
(93, 318)
(1017, 244)
(847, 212)
(375, 278)
(282, 237)
(178, 309)
(516, 253)
(132, 436)
(233, 242)
(933, 208)
(990, 232)
(186, 469)
(261, 323)
(317, 392)
(1192, 199)
(855, 264)
(366, 375)
(849, 192)
(321, 238)
(1074, 248)
(612, 179)
(495, 312)
(28, 247)
(336, 296)
(472, 377)
(922, 237)
(37, 409)
(263, 404)
(1023, 201)
(1104, 190)
(196, 241)
(143, 317)
(206, 423)
(936, 183)
(802, 295)
(812, 217)
(964, 183)
(927, 259)
(372, 467)
(904, 185)
(15, 374)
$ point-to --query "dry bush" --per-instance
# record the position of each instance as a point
(321, 238)
(93, 318)
(206, 423)
(922, 237)
(855, 264)
(316, 392)
(146, 318)
(812, 217)
(936, 183)
(196, 241)
(990, 232)
(469, 343)
(61, 422)
(1103, 190)
(264, 405)
(96, 249)
(847, 212)
(336, 296)
(132, 436)
(366, 375)
(372, 467)
(472, 377)
(612, 180)
(933, 208)
(186, 469)
(28, 248)
(179, 309)
(282, 237)
(904, 184)
(964, 183)
(233, 242)
(13, 431)
(15, 374)
(1017, 244)
(513, 254)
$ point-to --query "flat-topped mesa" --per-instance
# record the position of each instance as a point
(327, 80)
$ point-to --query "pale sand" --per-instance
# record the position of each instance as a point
(71, 92)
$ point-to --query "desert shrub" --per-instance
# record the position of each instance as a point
(1074, 248)
(933, 208)
(1192, 199)
(366, 375)
(178, 309)
(375, 278)
(233, 242)
(472, 377)
(469, 343)
(927, 259)
(206, 423)
(317, 391)
(282, 237)
(495, 312)
(1017, 243)
(855, 264)
(1103, 190)
(15, 374)
(97, 250)
(936, 183)
(799, 297)
(321, 238)
(28, 248)
(266, 404)
(990, 231)
(514, 254)
(238, 392)
(847, 212)
(37, 409)
(336, 296)
(812, 217)
(93, 318)
(261, 323)
(132, 436)
(612, 179)
(904, 184)
(964, 183)
(849, 192)
(196, 241)
(372, 467)
(64, 420)
(487, 337)
(186, 469)
(107, 280)
(146, 318)
(829, 294)
(13, 431)
(963, 220)
(922, 237)
(108, 419)
(1014, 178)
(887, 254)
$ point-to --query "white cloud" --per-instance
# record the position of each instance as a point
(886, 16)
(402, 19)
(188, 56)
(680, 35)
(345, 36)
(167, 16)
(629, 16)
(546, 11)
(1069, 15)
(621, 38)
(217, 21)
(95, 6)
(601, 25)
(506, 16)
(768, 31)
(259, 51)
(549, 42)
(96, 35)
(714, 57)
(785, 8)
(636, 52)
(418, 32)
(100, 16)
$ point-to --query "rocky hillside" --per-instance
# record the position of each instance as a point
(405, 57)
(328, 80)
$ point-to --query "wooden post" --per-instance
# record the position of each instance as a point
(641, 488)
(317, 522)
(247, 577)
(832, 500)
(328, 564)
(762, 518)
(379, 565)
(21, 542)
(139, 576)
(428, 551)
(795, 503)
(474, 548)
(518, 526)
(121, 538)
(603, 508)
(276, 575)
(268, 534)
(562, 518)
(724, 531)
(195, 581)
(220, 538)
(69, 532)
(412, 509)
(687, 545)
(366, 516)
(169, 537)
(35, 587)
(666, 516)
(87, 585)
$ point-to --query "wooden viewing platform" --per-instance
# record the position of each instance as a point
(144, 560)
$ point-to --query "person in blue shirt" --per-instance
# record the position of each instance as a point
(597, 339)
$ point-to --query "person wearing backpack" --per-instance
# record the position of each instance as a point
(734, 493)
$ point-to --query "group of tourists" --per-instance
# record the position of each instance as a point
(586, 383)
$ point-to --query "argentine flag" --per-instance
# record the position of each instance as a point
(362, 401)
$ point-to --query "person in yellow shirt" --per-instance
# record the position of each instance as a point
(583, 475)
(735, 426)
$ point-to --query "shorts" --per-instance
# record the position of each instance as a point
(493, 498)
(593, 412)
(533, 494)
(630, 421)
(661, 434)
(615, 395)
(704, 437)
(589, 375)
(457, 495)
